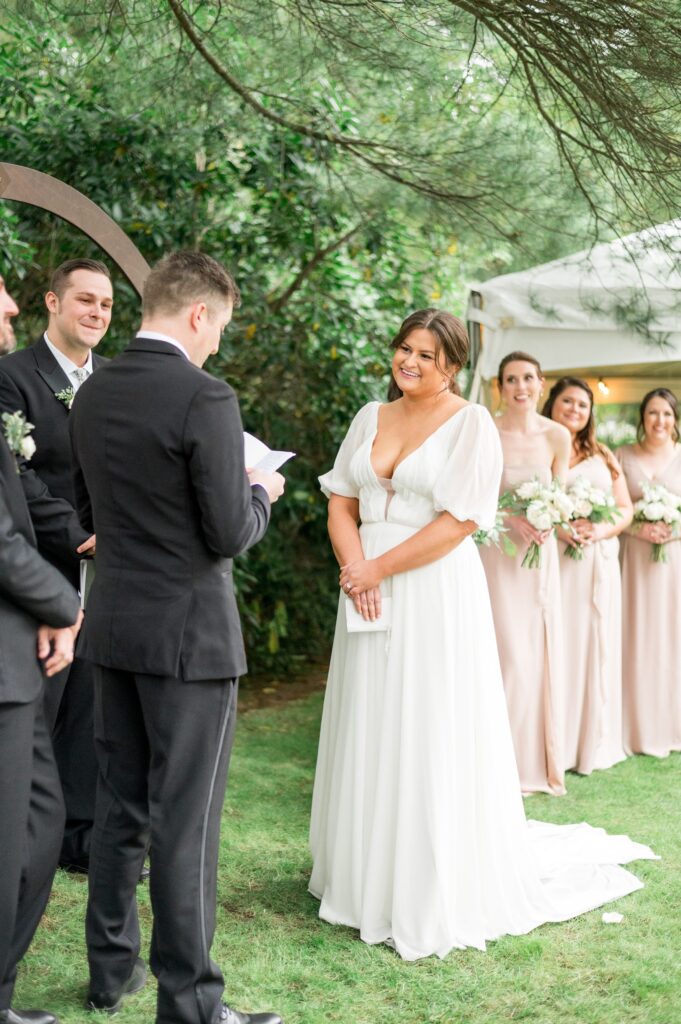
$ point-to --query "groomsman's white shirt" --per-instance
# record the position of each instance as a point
(75, 374)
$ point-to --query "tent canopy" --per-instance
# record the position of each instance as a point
(613, 310)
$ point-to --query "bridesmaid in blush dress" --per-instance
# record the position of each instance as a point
(592, 593)
(526, 602)
(651, 591)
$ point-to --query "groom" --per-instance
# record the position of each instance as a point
(166, 486)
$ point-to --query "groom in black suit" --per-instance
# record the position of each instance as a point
(167, 492)
(31, 807)
(41, 381)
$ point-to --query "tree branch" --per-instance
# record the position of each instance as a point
(277, 304)
(247, 96)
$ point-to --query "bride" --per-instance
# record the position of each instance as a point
(418, 833)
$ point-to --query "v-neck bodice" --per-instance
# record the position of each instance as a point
(636, 474)
(437, 475)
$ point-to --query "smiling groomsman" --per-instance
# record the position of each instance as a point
(41, 381)
(37, 607)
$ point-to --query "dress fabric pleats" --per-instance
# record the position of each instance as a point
(651, 625)
(528, 623)
(418, 833)
(592, 620)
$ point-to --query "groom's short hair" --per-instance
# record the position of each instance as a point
(184, 277)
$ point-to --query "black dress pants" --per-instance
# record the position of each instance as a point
(31, 826)
(69, 707)
(163, 747)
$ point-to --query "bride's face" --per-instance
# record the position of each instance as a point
(415, 365)
(521, 386)
(572, 408)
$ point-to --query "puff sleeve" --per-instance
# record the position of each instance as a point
(339, 480)
(468, 487)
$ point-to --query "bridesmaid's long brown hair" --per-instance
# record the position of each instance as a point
(669, 397)
(586, 443)
(451, 341)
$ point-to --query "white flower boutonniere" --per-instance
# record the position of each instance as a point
(16, 430)
(66, 396)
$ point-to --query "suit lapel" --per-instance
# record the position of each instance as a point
(49, 369)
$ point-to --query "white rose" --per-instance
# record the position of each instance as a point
(539, 516)
(27, 447)
(583, 509)
(654, 511)
(530, 489)
(564, 505)
(580, 487)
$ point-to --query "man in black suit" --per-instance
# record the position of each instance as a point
(168, 494)
(41, 381)
(31, 807)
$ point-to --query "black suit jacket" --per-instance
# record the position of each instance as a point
(29, 381)
(31, 591)
(166, 491)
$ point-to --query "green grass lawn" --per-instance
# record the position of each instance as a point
(276, 954)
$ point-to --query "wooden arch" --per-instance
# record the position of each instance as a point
(26, 185)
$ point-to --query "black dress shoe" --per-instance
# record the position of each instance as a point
(27, 1017)
(229, 1016)
(111, 1002)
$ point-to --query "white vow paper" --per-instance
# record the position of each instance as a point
(356, 623)
(87, 575)
(259, 456)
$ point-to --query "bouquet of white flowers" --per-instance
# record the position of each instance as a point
(497, 537)
(590, 503)
(658, 505)
(544, 507)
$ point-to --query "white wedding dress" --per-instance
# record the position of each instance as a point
(418, 832)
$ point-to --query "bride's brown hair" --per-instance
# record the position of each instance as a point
(451, 341)
(586, 442)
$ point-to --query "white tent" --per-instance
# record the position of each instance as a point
(611, 313)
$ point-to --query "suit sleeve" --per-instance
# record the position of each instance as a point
(29, 581)
(234, 515)
(83, 503)
(56, 524)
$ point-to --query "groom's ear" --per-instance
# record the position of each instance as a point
(198, 314)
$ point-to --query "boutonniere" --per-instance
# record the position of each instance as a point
(16, 430)
(66, 396)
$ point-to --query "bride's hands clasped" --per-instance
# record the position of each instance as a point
(361, 582)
